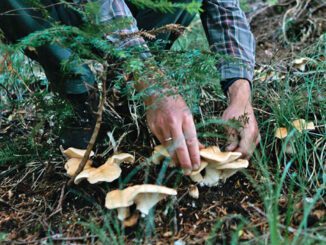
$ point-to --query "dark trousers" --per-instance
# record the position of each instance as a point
(17, 20)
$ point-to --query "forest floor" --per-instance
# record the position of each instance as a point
(278, 199)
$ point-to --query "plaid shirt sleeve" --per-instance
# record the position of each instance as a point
(229, 34)
(111, 10)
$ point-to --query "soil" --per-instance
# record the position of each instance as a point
(36, 203)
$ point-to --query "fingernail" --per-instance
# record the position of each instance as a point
(187, 171)
(196, 166)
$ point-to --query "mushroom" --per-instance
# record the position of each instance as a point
(72, 152)
(301, 124)
(72, 165)
(203, 164)
(214, 155)
(195, 175)
(212, 176)
(301, 63)
(238, 164)
(218, 166)
(107, 172)
(159, 154)
(193, 191)
(144, 196)
(281, 133)
(132, 220)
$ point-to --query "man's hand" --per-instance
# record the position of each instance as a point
(245, 139)
(171, 121)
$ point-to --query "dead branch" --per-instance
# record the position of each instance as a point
(97, 125)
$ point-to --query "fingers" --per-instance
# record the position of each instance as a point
(190, 135)
(201, 146)
(249, 139)
(232, 140)
(168, 144)
(181, 149)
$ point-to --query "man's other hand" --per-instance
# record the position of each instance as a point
(245, 139)
(171, 121)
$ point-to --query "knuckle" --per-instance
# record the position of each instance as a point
(180, 149)
(172, 121)
(191, 141)
(187, 117)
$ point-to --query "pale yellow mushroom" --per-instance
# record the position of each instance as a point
(212, 176)
(281, 133)
(107, 172)
(214, 155)
(238, 164)
(218, 166)
(121, 158)
(144, 196)
(76, 153)
(72, 165)
(159, 154)
(203, 165)
(301, 63)
(193, 191)
(196, 175)
(301, 124)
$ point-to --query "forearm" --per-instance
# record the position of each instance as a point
(229, 35)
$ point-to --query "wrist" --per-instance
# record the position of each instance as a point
(154, 94)
(240, 92)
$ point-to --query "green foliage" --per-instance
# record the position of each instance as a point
(2, 236)
(168, 6)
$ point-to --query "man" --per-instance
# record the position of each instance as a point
(170, 120)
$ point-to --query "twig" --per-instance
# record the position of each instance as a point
(96, 128)
(59, 206)
(52, 238)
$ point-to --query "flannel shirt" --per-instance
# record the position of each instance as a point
(225, 25)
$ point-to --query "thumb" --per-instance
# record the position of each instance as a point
(232, 139)
(201, 146)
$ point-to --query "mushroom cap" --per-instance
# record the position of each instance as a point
(301, 124)
(193, 191)
(203, 164)
(120, 158)
(107, 172)
(216, 172)
(238, 164)
(72, 152)
(198, 178)
(159, 154)
(214, 155)
(72, 165)
(281, 133)
(104, 173)
(145, 196)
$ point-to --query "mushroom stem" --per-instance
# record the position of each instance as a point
(123, 213)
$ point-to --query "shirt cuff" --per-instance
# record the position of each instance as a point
(231, 69)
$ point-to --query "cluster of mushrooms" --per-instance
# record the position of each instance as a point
(299, 125)
(217, 166)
